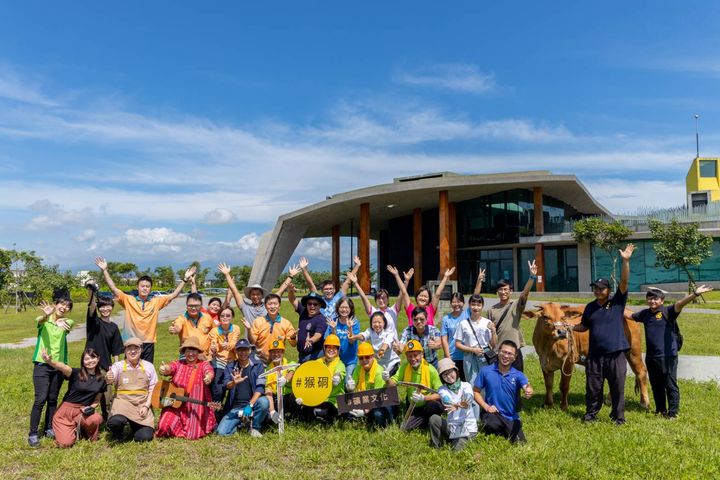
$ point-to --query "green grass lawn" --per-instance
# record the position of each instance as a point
(559, 445)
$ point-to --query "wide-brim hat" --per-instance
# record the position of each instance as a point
(191, 342)
(313, 296)
(132, 341)
(254, 286)
(446, 364)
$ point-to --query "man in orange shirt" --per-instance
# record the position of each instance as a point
(270, 327)
(194, 323)
(142, 310)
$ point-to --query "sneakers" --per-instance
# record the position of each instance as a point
(50, 433)
(589, 419)
(275, 417)
(255, 434)
(619, 422)
(34, 440)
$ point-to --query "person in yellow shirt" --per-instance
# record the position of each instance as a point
(193, 323)
(327, 411)
(142, 310)
(273, 382)
(264, 330)
(369, 376)
(222, 348)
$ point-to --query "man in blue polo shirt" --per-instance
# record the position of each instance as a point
(502, 383)
(605, 318)
(661, 339)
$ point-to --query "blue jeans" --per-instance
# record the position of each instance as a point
(229, 423)
(349, 369)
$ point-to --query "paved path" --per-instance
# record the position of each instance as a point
(177, 307)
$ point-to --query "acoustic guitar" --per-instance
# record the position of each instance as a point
(167, 394)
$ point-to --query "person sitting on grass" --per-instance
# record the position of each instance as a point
(501, 383)
(661, 340)
(369, 376)
(246, 405)
(222, 348)
(189, 420)
(418, 370)
(457, 398)
(193, 323)
(273, 381)
(103, 336)
(381, 340)
(76, 418)
(327, 411)
(426, 335)
(142, 310)
(345, 326)
(134, 380)
(52, 329)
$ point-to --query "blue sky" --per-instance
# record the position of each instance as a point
(162, 132)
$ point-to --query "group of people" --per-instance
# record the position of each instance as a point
(233, 377)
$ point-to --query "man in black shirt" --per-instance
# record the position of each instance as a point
(661, 341)
(605, 319)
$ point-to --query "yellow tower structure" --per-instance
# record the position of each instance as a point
(702, 183)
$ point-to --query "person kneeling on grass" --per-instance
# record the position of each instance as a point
(502, 383)
(76, 418)
(246, 402)
(418, 370)
(663, 343)
(134, 380)
(327, 411)
(189, 420)
(273, 381)
(369, 377)
(457, 398)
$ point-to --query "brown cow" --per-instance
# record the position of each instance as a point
(557, 351)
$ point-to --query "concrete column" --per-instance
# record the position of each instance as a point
(364, 247)
(444, 213)
(417, 249)
(336, 255)
(540, 262)
(584, 267)
(538, 203)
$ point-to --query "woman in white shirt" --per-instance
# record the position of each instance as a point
(382, 339)
(457, 398)
(475, 336)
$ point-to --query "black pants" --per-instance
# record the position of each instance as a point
(420, 415)
(380, 417)
(148, 352)
(460, 369)
(613, 368)
(326, 412)
(47, 382)
(663, 381)
(496, 424)
(519, 363)
(141, 433)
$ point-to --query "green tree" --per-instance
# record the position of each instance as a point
(606, 236)
(164, 276)
(5, 263)
(681, 245)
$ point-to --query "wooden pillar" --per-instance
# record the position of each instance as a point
(417, 249)
(540, 262)
(453, 239)
(538, 204)
(364, 247)
(444, 212)
(336, 255)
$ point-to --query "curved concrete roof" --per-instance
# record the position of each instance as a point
(398, 199)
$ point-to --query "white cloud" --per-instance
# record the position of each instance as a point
(53, 215)
(219, 216)
(314, 247)
(144, 241)
(459, 77)
(86, 235)
(627, 196)
(17, 89)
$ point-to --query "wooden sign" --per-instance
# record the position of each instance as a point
(368, 399)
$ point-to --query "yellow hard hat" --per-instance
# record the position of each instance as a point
(332, 340)
(413, 346)
(365, 350)
(277, 345)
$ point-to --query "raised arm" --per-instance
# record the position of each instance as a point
(225, 270)
(188, 273)
(479, 282)
(306, 274)
(436, 297)
(291, 296)
(346, 284)
(680, 304)
(404, 299)
(59, 366)
(102, 265)
(92, 303)
(625, 275)
(366, 301)
(528, 285)
(193, 285)
(292, 271)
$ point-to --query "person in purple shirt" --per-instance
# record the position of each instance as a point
(605, 318)
(661, 340)
(311, 324)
